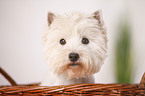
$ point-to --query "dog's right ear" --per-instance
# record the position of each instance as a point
(98, 16)
(50, 18)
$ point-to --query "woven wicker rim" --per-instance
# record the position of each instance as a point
(74, 90)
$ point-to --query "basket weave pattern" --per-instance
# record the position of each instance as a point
(76, 90)
(72, 90)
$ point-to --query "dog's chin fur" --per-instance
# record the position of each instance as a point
(75, 70)
(73, 28)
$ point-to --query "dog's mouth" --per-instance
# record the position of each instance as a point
(74, 65)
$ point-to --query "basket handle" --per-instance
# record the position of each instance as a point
(13, 83)
(142, 82)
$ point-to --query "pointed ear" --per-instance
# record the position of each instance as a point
(98, 15)
(50, 18)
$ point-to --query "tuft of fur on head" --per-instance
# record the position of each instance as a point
(72, 28)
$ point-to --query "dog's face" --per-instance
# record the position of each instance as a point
(75, 45)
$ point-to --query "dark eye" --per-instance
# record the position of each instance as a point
(85, 41)
(62, 42)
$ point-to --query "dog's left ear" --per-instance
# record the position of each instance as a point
(98, 15)
(50, 18)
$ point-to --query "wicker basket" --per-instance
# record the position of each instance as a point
(76, 90)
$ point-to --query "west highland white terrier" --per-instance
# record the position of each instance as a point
(75, 46)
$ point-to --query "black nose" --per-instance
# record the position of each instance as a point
(73, 57)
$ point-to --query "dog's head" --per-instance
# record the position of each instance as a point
(75, 45)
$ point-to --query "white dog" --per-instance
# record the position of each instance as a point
(75, 47)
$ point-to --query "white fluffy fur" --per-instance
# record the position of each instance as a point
(73, 28)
